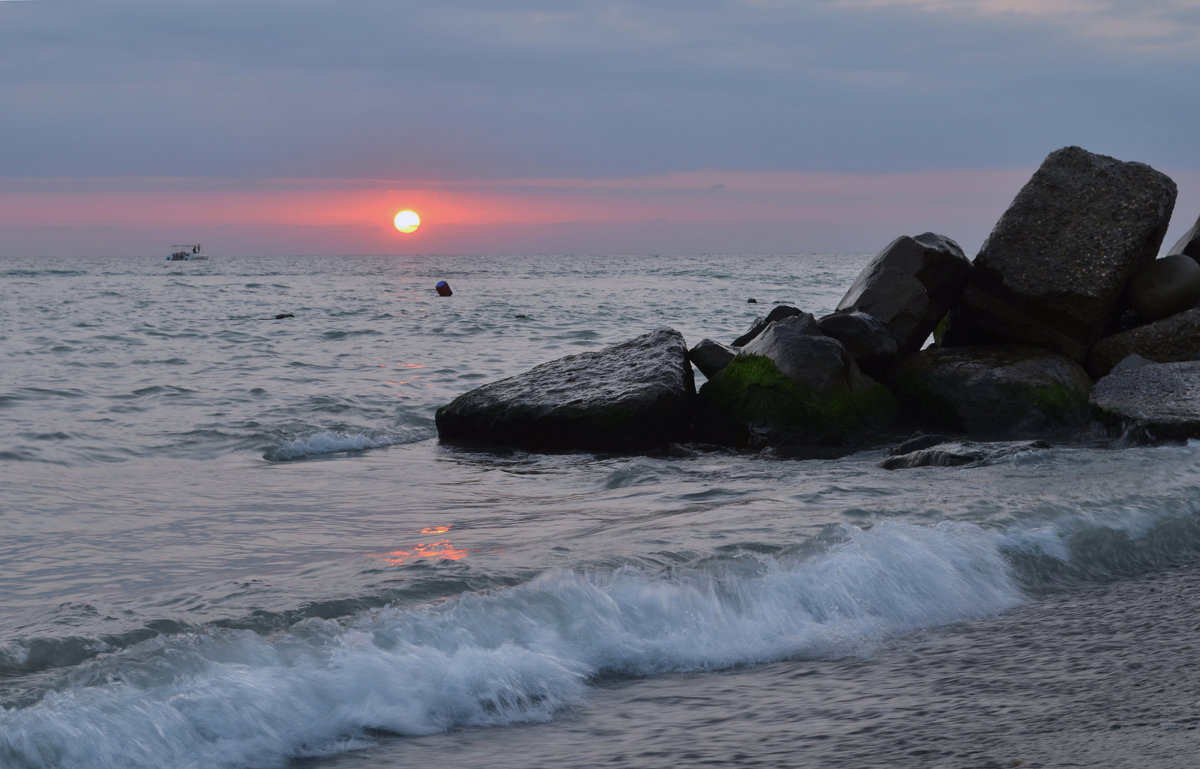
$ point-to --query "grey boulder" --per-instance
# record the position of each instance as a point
(909, 286)
(1155, 402)
(1165, 286)
(634, 395)
(1052, 272)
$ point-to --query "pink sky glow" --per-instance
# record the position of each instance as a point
(701, 211)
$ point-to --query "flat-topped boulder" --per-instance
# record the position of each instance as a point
(1170, 340)
(1052, 272)
(997, 391)
(1158, 402)
(909, 286)
(635, 395)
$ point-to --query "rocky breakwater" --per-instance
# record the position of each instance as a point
(1066, 286)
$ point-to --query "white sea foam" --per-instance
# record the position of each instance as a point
(231, 698)
(332, 442)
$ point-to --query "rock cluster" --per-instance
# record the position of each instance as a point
(1065, 288)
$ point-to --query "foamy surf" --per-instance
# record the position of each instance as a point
(336, 442)
(235, 698)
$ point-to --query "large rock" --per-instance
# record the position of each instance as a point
(1053, 270)
(634, 395)
(792, 389)
(1001, 391)
(1169, 340)
(1165, 286)
(1190, 242)
(866, 339)
(1159, 402)
(909, 286)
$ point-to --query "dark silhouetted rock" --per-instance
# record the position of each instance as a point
(958, 453)
(777, 313)
(1053, 270)
(909, 286)
(1000, 391)
(1159, 402)
(1189, 244)
(634, 395)
(795, 390)
(710, 357)
(1165, 286)
(866, 339)
(916, 442)
(1172, 339)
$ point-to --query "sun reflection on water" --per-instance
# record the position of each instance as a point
(441, 549)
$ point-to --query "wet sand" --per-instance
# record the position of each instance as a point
(1095, 676)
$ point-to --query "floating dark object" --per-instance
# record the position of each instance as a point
(751, 300)
(443, 288)
(283, 315)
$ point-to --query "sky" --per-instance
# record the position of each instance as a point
(569, 126)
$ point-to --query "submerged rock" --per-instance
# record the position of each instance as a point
(1000, 391)
(634, 395)
(1053, 270)
(1159, 402)
(957, 453)
(909, 286)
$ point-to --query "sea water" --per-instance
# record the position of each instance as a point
(229, 537)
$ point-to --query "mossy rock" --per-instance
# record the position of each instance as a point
(993, 391)
(750, 403)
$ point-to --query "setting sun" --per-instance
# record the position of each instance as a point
(407, 221)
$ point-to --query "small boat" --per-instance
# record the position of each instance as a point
(188, 252)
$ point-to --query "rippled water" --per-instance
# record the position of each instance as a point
(233, 540)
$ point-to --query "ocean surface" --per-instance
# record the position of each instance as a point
(232, 540)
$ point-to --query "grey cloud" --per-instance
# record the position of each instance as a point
(525, 88)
